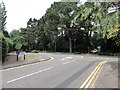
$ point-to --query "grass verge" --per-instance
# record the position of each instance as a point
(13, 58)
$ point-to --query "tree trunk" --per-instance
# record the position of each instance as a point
(24, 56)
(89, 40)
(70, 44)
(55, 46)
(74, 44)
(17, 57)
(17, 52)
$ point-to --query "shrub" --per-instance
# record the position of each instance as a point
(6, 45)
(35, 51)
(50, 51)
(77, 52)
(109, 54)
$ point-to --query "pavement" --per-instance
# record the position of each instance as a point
(62, 71)
(25, 62)
(108, 77)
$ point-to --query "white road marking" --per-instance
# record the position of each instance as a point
(69, 61)
(107, 58)
(68, 57)
(62, 59)
(29, 75)
(81, 57)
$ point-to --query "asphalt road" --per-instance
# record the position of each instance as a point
(62, 71)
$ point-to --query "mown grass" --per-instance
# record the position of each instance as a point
(31, 56)
(108, 54)
(77, 53)
(37, 51)
(102, 53)
(13, 58)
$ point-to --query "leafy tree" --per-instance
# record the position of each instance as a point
(6, 45)
(61, 14)
(65, 24)
(18, 39)
(114, 33)
(5, 40)
(96, 20)
(2, 16)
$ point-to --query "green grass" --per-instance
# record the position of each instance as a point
(35, 51)
(109, 54)
(77, 52)
(13, 58)
(31, 57)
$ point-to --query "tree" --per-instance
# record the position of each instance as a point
(114, 33)
(65, 24)
(61, 15)
(18, 41)
(5, 40)
(107, 22)
(2, 16)
(96, 20)
(6, 44)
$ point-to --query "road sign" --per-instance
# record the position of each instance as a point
(98, 47)
(21, 55)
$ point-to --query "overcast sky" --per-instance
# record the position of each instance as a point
(19, 11)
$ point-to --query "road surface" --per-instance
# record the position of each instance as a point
(61, 71)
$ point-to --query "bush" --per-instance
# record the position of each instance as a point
(6, 45)
(109, 54)
(35, 51)
(4, 49)
(116, 54)
(50, 51)
(9, 43)
(77, 52)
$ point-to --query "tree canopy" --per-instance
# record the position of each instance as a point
(69, 27)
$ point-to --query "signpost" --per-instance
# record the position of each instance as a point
(21, 55)
(99, 47)
(18, 47)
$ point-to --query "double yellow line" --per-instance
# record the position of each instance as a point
(93, 76)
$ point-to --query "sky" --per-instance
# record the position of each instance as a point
(19, 11)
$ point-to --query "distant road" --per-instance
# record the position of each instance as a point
(62, 71)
